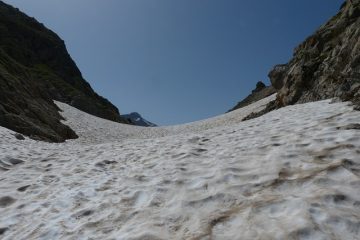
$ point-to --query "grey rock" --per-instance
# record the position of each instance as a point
(354, 126)
(6, 201)
(277, 75)
(3, 230)
(23, 188)
(19, 136)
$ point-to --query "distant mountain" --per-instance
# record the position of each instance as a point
(136, 119)
(325, 65)
(35, 69)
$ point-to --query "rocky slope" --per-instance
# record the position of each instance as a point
(325, 65)
(35, 69)
(260, 92)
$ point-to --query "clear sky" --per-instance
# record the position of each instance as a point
(179, 61)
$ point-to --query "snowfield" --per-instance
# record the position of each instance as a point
(293, 173)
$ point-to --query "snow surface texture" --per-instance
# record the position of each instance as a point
(290, 174)
(97, 130)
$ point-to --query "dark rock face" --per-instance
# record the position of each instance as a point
(136, 119)
(3, 230)
(261, 91)
(35, 69)
(18, 136)
(259, 86)
(326, 65)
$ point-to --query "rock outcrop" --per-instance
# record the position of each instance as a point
(261, 91)
(35, 69)
(325, 65)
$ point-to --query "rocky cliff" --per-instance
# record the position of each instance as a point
(35, 69)
(325, 65)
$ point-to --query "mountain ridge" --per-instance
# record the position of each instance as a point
(260, 92)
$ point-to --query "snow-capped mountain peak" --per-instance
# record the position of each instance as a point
(136, 119)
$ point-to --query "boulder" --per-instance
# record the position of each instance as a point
(19, 136)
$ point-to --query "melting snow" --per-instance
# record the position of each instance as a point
(290, 174)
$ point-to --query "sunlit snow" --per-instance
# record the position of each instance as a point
(290, 174)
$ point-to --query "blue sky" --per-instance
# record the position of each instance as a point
(179, 61)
